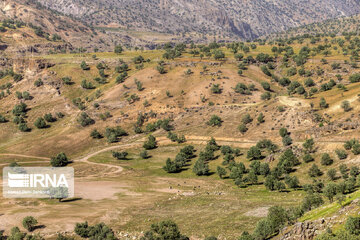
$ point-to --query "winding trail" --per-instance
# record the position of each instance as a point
(160, 140)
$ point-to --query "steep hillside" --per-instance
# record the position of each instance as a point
(331, 27)
(241, 18)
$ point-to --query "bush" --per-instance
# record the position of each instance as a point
(144, 154)
(246, 119)
(150, 143)
(216, 89)
(266, 86)
(308, 158)
(201, 168)
(98, 231)
(215, 121)
(287, 140)
(242, 128)
(342, 154)
(40, 123)
(2, 119)
(326, 160)
(283, 132)
(49, 118)
(171, 166)
(314, 171)
(164, 230)
(95, 134)
(266, 96)
(254, 153)
(59, 160)
(352, 225)
(113, 134)
(19, 109)
(85, 120)
(120, 155)
(29, 223)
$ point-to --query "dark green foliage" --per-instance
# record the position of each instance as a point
(113, 134)
(287, 161)
(2, 119)
(314, 171)
(84, 66)
(85, 120)
(221, 171)
(214, 121)
(308, 158)
(118, 49)
(121, 78)
(95, 134)
(49, 118)
(19, 109)
(59, 160)
(283, 132)
(40, 123)
(287, 140)
(292, 181)
(150, 143)
(326, 160)
(87, 85)
(352, 225)
(266, 96)
(254, 153)
(144, 154)
(323, 104)
(29, 223)
(201, 168)
(96, 232)
(172, 166)
(67, 80)
(120, 155)
(216, 89)
(266, 86)
(309, 145)
(261, 118)
(165, 230)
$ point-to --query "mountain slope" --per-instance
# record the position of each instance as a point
(238, 18)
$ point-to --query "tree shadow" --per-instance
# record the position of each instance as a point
(74, 199)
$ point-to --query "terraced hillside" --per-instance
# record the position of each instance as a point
(221, 139)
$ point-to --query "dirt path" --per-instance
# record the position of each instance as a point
(243, 143)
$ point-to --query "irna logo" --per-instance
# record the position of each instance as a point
(37, 180)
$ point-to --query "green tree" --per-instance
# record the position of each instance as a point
(346, 106)
(309, 145)
(314, 171)
(59, 160)
(214, 121)
(331, 173)
(254, 153)
(118, 49)
(221, 171)
(29, 223)
(323, 104)
(40, 123)
(150, 143)
(330, 191)
(201, 168)
(165, 230)
(352, 225)
(326, 160)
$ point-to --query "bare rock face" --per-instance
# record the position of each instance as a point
(306, 230)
